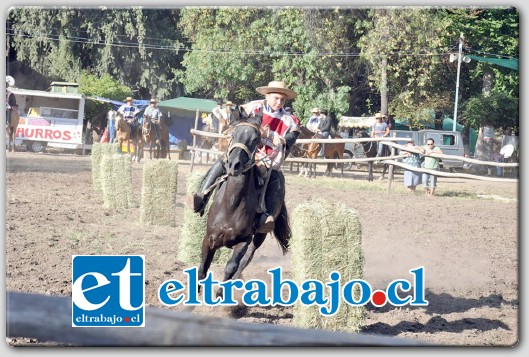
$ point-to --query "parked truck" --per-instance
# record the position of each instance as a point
(50, 118)
(450, 142)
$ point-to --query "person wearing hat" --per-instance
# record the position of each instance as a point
(11, 100)
(216, 116)
(129, 112)
(154, 114)
(380, 129)
(314, 120)
(324, 128)
(227, 116)
(282, 131)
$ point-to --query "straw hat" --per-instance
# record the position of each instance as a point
(129, 99)
(277, 87)
(379, 115)
(153, 100)
(229, 102)
(315, 110)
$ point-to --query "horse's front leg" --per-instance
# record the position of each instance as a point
(248, 256)
(370, 171)
(208, 253)
(234, 263)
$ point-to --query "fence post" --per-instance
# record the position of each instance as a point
(391, 166)
(194, 144)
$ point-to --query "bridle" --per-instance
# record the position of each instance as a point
(251, 154)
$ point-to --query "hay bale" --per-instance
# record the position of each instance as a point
(122, 176)
(194, 228)
(325, 238)
(106, 180)
(116, 181)
(98, 151)
(158, 193)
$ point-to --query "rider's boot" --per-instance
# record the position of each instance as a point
(200, 199)
(266, 223)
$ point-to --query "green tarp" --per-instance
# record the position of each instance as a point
(511, 63)
(186, 103)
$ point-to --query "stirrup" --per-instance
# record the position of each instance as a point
(266, 224)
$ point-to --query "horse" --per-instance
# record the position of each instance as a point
(232, 217)
(149, 137)
(11, 130)
(123, 135)
(370, 150)
(165, 149)
(311, 150)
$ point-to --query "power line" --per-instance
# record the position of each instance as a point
(41, 37)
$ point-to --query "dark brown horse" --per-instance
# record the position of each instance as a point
(11, 130)
(165, 147)
(149, 137)
(370, 150)
(233, 213)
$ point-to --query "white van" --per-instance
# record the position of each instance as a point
(50, 118)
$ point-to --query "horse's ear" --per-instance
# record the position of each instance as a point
(255, 120)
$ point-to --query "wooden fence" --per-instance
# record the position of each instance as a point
(49, 319)
(389, 159)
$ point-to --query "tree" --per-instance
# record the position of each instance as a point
(404, 47)
(106, 87)
(139, 47)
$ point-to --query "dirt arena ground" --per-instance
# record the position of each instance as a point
(466, 237)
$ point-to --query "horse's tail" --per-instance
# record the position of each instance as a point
(282, 230)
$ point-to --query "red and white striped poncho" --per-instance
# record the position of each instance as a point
(277, 123)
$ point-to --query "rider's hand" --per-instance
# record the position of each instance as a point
(278, 140)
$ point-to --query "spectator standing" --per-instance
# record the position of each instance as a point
(111, 126)
(432, 163)
(412, 178)
(11, 100)
(380, 129)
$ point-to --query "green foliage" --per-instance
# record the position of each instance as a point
(498, 109)
(136, 46)
(235, 50)
(407, 43)
(105, 87)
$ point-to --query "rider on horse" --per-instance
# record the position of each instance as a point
(154, 114)
(281, 130)
(129, 113)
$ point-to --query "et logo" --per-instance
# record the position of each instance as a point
(108, 291)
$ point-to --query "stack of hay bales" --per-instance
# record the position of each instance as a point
(116, 181)
(158, 193)
(194, 228)
(98, 151)
(326, 238)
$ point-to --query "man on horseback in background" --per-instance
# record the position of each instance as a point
(154, 114)
(129, 113)
(324, 128)
(11, 100)
(281, 130)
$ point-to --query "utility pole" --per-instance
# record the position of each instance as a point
(459, 57)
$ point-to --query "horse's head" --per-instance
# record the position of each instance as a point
(245, 139)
